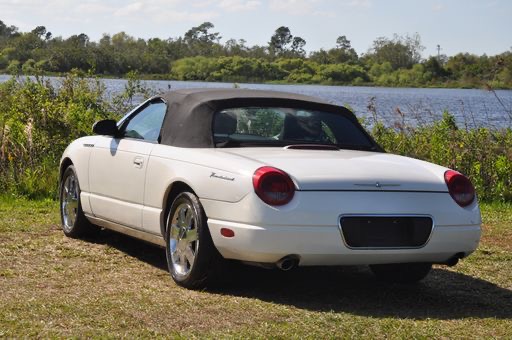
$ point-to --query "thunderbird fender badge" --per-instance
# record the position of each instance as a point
(226, 178)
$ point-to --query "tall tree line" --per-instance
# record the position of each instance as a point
(199, 55)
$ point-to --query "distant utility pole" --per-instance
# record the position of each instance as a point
(438, 52)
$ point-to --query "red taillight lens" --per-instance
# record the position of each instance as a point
(459, 187)
(273, 186)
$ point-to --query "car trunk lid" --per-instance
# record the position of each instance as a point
(336, 170)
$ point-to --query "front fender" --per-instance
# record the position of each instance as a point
(78, 153)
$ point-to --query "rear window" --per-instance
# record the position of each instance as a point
(277, 126)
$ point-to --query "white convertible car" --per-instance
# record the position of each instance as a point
(265, 178)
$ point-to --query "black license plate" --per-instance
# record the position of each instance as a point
(386, 231)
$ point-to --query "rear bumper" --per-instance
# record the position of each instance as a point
(323, 245)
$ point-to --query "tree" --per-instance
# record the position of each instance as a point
(155, 58)
(200, 41)
(283, 43)
(7, 31)
(343, 43)
(234, 47)
(80, 40)
(400, 52)
(279, 41)
(39, 31)
(433, 65)
(298, 46)
(25, 44)
(201, 34)
(320, 57)
(343, 53)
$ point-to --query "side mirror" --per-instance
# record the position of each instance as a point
(106, 127)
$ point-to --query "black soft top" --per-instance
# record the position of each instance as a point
(189, 118)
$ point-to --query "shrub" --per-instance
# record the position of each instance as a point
(483, 154)
(37, 122)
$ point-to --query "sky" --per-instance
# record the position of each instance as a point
(477, 27)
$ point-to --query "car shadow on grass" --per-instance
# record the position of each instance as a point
(444, 294)
(143, 251)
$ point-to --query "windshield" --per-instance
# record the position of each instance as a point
(277, 126)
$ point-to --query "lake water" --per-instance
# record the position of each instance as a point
(471, 107)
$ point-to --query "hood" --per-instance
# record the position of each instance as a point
(349, 170)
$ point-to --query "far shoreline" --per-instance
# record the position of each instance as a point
(164, 77)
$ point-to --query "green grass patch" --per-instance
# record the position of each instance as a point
(115, 286)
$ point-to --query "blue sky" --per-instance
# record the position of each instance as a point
(457, 25)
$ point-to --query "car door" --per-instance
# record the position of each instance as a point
(117, 166)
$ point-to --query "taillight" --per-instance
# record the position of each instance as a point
(459, 187)
(273, 186)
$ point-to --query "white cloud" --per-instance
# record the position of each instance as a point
(184, 16)
(294, 7)
(239, 5)
(162, 11)
(203, 3)
(21, 3)
(93, 8)
(129, 10)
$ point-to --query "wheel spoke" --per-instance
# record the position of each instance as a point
(71, 219)
(188, 217)
(175, 231)
(191, 235)
(181, 218)
(73, 205)
(182, 244)
(189, 254)
(183, 263)
(176, 252)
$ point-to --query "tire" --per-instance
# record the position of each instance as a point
(192, 258)
(401, 272)
(74, 222)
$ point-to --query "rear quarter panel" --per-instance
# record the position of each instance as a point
(212, 175)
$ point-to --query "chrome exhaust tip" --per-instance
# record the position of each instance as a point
(287, 263)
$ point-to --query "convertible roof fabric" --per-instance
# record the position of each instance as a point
(189, 118)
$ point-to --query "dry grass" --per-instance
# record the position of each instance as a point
(114, 286)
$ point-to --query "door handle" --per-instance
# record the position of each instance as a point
(138, 162)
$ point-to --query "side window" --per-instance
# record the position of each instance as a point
(146, 124)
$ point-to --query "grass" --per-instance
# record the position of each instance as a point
(115, 286)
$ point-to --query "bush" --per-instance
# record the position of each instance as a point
(37, 122)
(29, 67)
(482, 154)
(14, 67)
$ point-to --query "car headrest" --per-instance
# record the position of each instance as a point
(301, 127)
(225, 123)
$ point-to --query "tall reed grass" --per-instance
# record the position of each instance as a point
(39, 118)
